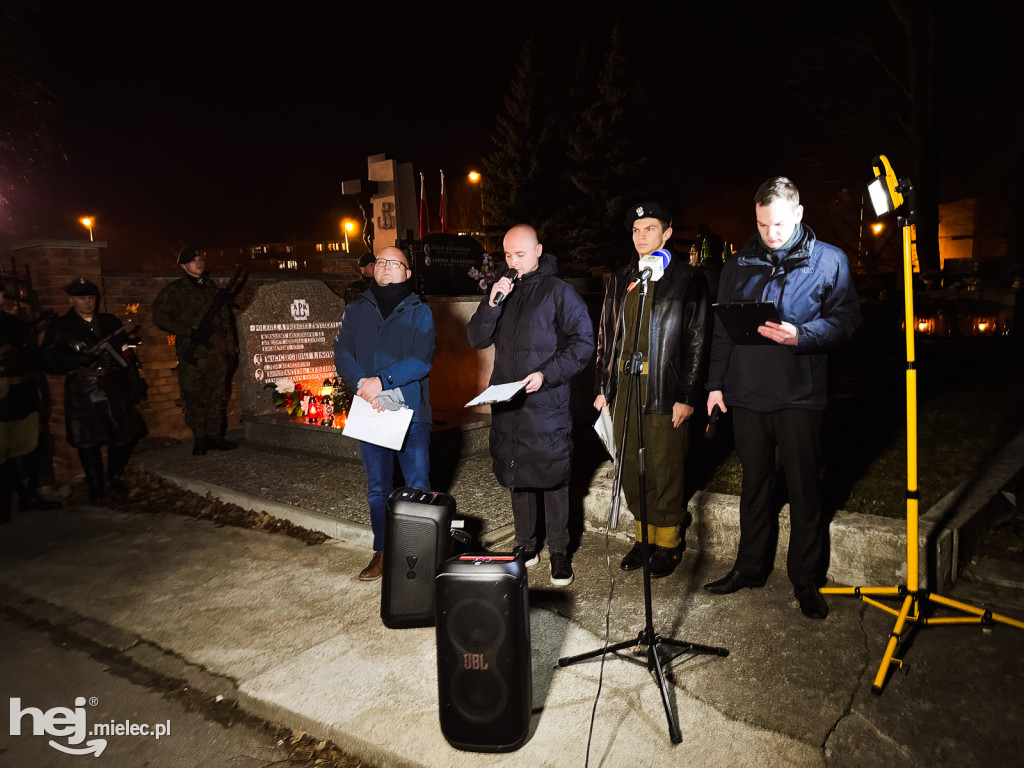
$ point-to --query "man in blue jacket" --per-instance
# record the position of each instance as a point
(386, 345)
(542, 337)
(777, 391)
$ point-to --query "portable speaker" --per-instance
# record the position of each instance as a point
(417, 539)
(484, 676)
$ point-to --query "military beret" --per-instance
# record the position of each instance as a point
(648, 209)
(81, 287)
(188, 254)
(366, 260)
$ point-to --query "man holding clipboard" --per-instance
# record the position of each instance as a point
(775, 383)
(384, 351)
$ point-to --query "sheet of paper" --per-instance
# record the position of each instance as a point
(387, 429)
(605, 431)
(497, 393)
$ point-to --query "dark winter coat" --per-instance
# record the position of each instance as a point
(399, 349)
(542, 326)
(678, 339)
(812, 288)
(99, 393)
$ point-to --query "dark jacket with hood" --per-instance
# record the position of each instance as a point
(678, 340)
(543, 326)
(811, 286)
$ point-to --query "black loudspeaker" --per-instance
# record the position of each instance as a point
(417, 540)
(484, 676)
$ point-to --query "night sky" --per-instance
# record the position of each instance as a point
(227, 123)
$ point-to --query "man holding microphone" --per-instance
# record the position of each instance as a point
(542, 337)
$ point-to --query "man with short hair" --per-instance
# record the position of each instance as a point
(777, 392)
(386, 345)
(542, 337)
(205, 381)
(674, 348)
(357, 288)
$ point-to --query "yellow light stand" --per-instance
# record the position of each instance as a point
(897, 196)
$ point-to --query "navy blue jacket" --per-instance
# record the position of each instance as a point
(398, 349)
(543, 326)
(812, 288)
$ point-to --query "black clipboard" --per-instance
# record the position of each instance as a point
(742, 319)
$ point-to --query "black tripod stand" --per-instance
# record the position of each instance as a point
(647, 636)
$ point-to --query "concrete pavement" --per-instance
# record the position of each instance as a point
(288, 631)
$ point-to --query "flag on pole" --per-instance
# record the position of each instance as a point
(424, 222)
(444, 206)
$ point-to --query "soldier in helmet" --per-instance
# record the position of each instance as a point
(179, 309)
(101, 385)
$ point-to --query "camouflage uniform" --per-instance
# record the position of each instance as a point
(179, 309)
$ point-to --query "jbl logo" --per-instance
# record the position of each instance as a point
(473, 661)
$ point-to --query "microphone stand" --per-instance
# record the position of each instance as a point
(647, 637)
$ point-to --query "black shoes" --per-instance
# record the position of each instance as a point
(561, 570)
(634, 559)
(664, 561)
(812, 604)
(200, 447)
(529, 556)
(734, 581)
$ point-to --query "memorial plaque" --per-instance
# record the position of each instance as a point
(453, 265)
(286, 336)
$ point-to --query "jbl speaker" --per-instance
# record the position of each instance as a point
(484, 677)
(417, 540)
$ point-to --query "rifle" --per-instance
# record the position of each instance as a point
(104, 345)
(225, 297)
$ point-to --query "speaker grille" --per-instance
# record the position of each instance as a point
(483, 657)
(412, 565)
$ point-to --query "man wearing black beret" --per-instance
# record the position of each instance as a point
(101, 385)
(674, 350)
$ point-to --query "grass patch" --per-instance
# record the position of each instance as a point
(969, 408)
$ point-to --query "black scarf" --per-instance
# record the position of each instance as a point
(390, 296)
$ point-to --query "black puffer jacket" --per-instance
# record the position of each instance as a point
(543, 326)
(678, 339)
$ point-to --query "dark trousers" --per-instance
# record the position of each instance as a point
(797, 434)
(556, 516)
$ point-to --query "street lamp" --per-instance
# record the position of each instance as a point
(877, 228)
(476, 178)
(87, 222)
(347, 226)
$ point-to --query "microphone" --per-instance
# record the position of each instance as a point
(511, 274)
(652, 267)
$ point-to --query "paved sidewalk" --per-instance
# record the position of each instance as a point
(287, 630)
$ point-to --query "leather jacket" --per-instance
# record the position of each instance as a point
(678, 336)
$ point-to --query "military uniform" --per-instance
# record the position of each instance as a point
(100, 392)
(179, 309)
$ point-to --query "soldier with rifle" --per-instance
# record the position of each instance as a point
(102, 385)
(199, 315)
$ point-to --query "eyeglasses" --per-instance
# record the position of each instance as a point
(389, 263)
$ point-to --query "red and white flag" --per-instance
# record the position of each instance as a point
(424, 219)
(444, 206)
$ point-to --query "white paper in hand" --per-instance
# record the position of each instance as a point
(605, 431)
(386, 429)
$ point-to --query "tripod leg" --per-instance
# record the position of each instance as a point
(654, 664)
(890, 648)
(568, 660)
(711, 650)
